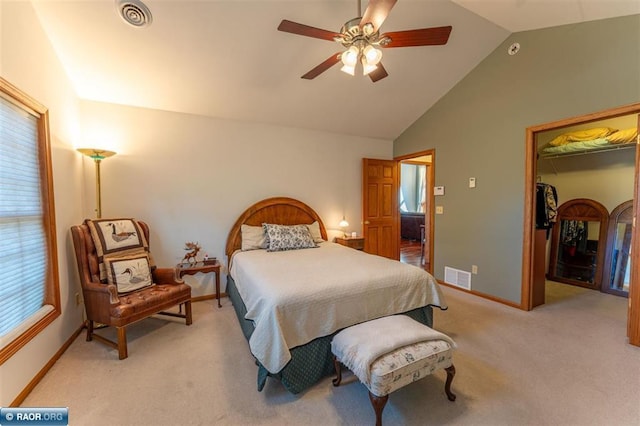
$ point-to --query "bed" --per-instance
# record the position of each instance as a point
(290, 303)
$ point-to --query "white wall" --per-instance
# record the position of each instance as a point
(190, 177)
(29, 62)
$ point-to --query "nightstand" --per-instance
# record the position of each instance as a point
(353, 242)
(205, 266)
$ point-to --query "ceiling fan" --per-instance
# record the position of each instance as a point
(362, 39)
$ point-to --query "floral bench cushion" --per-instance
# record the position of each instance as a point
(408, 364)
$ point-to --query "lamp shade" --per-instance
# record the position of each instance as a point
(366, 67)
(372, 55)
(343, 223)
(350, 56)
(351, 70)
(95, 153)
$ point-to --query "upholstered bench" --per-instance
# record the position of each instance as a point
(391, 352)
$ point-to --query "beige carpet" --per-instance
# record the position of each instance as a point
(565, 363)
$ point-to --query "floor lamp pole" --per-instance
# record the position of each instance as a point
(98, 155)
(98, 192)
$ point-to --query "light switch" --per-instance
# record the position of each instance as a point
(439, 209)
(472, 182)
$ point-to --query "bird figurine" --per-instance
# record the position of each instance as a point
(119, 236)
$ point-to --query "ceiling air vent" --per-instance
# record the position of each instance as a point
(134, 13)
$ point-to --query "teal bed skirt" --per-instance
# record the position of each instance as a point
(310, 362)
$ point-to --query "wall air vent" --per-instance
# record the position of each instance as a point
(134, 13)
(457, 277)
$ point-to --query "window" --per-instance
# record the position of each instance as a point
(29, 289)
(413, 191)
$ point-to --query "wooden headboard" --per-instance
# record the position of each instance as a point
(278, 210)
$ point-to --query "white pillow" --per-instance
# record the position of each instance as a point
(253, 238)
(314, 229)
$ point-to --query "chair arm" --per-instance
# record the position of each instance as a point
(110, 289)
(166, 276)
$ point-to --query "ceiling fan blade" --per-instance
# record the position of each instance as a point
(377, 12)
(305, 30)
(331, 61)
(423, 37)
(378, 74)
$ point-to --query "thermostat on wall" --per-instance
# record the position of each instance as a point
(438, 190)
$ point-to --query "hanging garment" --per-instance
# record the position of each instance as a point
(546, 206)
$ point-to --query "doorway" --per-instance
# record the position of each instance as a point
(415, 202)
(532, 260)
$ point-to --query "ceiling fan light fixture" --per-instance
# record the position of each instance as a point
(373, 56)
(366, 67)
(350, 56)
(362, 40)
(349, 69)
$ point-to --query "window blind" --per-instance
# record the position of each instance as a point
(23, 248)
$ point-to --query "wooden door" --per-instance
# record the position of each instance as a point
(380, 210)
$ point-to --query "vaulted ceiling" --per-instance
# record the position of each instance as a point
(226, 59)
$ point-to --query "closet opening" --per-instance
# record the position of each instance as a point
(415, 201)
(581, 203)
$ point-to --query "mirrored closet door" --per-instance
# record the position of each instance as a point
(617, 266)
(578, 243)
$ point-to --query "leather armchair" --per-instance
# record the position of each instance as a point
(104, 305)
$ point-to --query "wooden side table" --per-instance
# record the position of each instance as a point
(353, 242)
(205, 267)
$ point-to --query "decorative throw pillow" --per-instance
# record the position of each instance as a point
(623, 136)
(129, 273)
(117, 237)
(253, 237)
(288, 237)
(314, 229)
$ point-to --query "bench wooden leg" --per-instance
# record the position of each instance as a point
(338, 379)
(451, 371)
(378, 403)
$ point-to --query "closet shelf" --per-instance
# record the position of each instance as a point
(588, 151)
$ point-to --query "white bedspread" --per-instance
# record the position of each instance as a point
(296, 296)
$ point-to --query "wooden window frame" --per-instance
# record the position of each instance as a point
(51, 282)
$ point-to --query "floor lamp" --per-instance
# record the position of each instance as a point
(98, 155)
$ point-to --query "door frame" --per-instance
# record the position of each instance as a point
(531, 166)
(430, 213)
